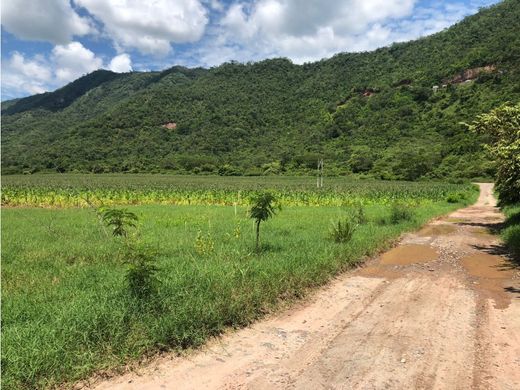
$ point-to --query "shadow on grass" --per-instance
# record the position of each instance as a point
(268, 248)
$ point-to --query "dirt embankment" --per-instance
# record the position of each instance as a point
(439, 311)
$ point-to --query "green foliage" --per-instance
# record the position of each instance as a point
(141, 274)
(401, 213)
(457, 197)
(358, 215)
(511, 232)
(204, 244)
(120, 220)
(263, 207)
(372, 113)
(501, 127)
(342, 230)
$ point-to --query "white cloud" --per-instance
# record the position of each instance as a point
(73, 60)
(305, 30)
(121, 63)
(26, 76)
(22, 75)
(149, 26)
(51, 20)
(309, 30)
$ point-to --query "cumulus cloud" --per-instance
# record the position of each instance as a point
(120, 63)
(28, 76)
(306, 30)
(309, 30)
(22, 75)
(73, 60)
(148, 26)
(51, 20)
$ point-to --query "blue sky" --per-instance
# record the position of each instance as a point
(47, 44)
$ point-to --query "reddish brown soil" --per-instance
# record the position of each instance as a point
(409, 254)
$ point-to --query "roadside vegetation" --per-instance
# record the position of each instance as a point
(88, 289)
(501, 128)
(511, 232)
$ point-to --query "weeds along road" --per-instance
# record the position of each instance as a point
(439, 311)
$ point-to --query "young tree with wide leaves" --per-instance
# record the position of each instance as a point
(263, 207)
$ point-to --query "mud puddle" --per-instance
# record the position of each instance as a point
(495, 276)
(483, 265)
(437, 230)
(409, 254)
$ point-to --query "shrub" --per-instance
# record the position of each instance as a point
(511, 237)
(456, 197)
(204, 244)
(141, 274)
(358, 214)
(342, 230)
(511, 232)
(400, 213)
(119, 219)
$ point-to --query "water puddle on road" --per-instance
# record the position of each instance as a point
(409, 254)
(482, 232)
(488, 266)
(436, 230)
(495, 276)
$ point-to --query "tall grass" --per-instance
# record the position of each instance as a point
(511, 232)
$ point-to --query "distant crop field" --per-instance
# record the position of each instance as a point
(80, 190)
(67, 306)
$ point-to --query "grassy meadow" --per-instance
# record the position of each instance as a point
(67, 311)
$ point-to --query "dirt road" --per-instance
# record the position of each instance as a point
(440, 311)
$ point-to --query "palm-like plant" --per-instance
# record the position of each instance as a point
(263, 207)
(120, 220)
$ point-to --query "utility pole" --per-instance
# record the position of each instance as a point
(319, 180)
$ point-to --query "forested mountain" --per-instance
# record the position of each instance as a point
(393, 113)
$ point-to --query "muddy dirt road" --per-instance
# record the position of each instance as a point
(439, 311)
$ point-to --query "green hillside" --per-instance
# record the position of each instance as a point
(375, 113)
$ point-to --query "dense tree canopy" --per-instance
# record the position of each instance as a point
(374, 113)
(501, 127)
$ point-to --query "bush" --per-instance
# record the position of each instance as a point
(358, 215)
(511, 237)
(120, 220)
(511, 232)
(400, 213)
(141, 274)
(343, 230)
(456, 197)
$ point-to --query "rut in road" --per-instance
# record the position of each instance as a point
(439, 311)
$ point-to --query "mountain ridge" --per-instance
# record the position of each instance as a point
(374, 113)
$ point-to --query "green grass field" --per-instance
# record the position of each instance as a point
(67, 312)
